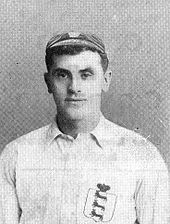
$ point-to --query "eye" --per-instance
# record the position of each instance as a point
(61, 74)
(85, 75)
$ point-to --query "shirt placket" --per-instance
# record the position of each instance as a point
(69, 191)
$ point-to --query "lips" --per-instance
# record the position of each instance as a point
(74, 99)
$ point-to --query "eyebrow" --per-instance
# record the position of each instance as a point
(88, 69)
(61, 70)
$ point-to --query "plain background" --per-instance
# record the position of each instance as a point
(137, 36)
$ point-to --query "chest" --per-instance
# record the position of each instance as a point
(74, 174)
(67, 184)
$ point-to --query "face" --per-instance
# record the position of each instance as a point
(76, 82)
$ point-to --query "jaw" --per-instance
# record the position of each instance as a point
(73, 113)
(78, 111)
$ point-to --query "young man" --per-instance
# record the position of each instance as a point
(81, 168)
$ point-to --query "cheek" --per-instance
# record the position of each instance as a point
(59, 90)
(94, 88)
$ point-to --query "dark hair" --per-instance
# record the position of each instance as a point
(72, 50)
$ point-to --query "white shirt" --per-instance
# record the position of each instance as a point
(49, 177)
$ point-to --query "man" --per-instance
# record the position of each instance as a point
(81, 168)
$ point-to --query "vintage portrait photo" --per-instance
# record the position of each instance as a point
(84, 116)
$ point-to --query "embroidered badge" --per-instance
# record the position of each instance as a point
(100, 204)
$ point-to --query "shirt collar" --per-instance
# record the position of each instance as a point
(52, 132)
(100, 132)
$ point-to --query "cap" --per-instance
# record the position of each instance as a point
(75, 38)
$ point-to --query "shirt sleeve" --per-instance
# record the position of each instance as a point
(9, 209)
(152, 198)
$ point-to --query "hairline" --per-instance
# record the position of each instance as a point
(54, 53)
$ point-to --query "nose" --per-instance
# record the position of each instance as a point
(74, 86)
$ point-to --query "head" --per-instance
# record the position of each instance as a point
(73, 50)
(77, 75)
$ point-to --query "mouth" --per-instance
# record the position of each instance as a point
(75, 99)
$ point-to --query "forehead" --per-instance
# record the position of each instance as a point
(82, 60)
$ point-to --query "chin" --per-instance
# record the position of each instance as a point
(74, 114)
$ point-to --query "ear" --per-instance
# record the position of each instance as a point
(107, 80)
(47, 79)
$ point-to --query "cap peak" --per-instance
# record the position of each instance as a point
(74, 34)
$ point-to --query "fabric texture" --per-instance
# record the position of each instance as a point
(108, 175)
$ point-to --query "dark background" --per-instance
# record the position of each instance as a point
(137, 36)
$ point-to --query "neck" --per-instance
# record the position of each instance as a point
(74, 127)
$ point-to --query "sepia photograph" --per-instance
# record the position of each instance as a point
(84, 115)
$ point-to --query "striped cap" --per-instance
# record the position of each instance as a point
(75, 38)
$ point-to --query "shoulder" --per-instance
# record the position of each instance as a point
(135, 148)
(30, 139)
